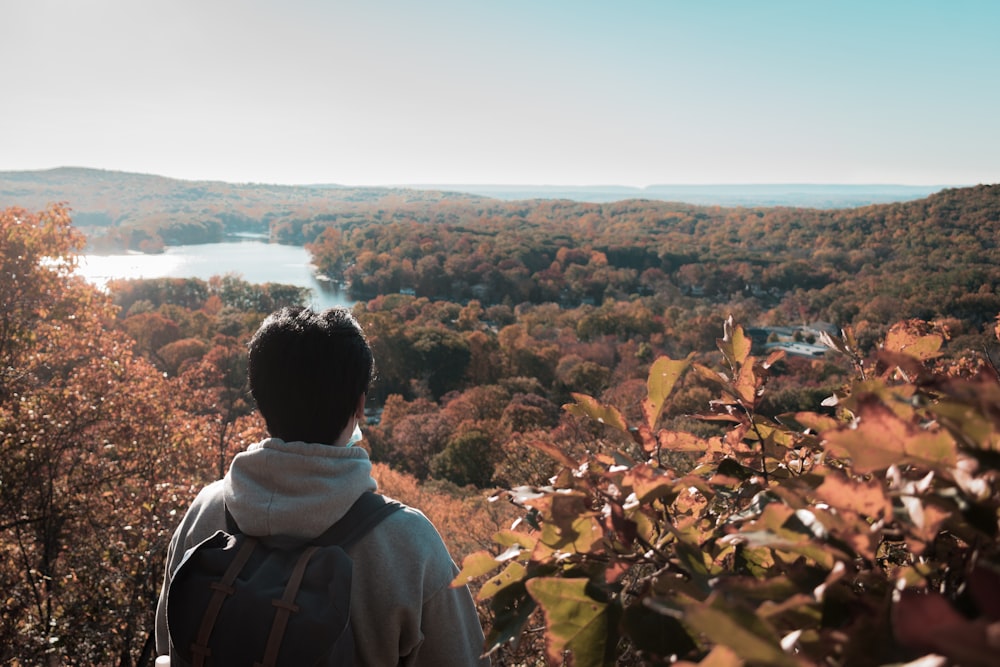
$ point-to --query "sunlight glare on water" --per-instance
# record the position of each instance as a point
(99, 269)
(253, 261)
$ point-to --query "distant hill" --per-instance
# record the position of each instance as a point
(141, 211)
(754, 195)
(100, 197)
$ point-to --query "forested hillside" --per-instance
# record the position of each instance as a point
(572, 352)
(120, 210)
(931, 258)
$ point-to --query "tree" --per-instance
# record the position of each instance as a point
(85, 461)
(37, 255)
(443, 357)
(468, 458)
(151, 331)
(574, 373)
(529, 412)
(215, 390)
(328, 252)
(416, 440)
(176, 355)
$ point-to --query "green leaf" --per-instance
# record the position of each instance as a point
(781, 528)
(696, 563)
(578, 537)
(588, 534)
(723, 381)
(512, 574)
(663, 376)
(576, 622)
(973, 428)
(734, 344)
(713, 376)
(587, 406)
(474, 566)
(754, 590)
(508, 538)
(748, 635)
(561, 509)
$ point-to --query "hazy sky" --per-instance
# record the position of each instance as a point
(526, 92)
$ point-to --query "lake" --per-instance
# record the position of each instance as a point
(253, 260)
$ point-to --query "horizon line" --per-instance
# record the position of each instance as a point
(544, 185)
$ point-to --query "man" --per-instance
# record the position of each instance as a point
(309, 373)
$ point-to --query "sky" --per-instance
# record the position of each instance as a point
(542, 92)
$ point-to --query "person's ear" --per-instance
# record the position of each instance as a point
(359, 409)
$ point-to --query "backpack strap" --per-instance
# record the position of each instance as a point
(285, 608)
(220, 590)
(367, 511)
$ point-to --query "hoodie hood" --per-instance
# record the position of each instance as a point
(297, 488)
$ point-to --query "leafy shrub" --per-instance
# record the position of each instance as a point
(866, 537)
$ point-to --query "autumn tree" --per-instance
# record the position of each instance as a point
(85, 454)
(468, 458)
(215, 392)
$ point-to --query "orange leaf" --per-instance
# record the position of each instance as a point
(680, 441)
(554, 452)
(648, 483)
(816, 422)
(903, 339)
(882, 439)
(746, 384)
(865, 498)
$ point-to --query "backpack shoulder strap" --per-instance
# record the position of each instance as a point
(367, 511)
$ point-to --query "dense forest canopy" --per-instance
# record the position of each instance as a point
(933, 258)
(141, 211)
(519, 345)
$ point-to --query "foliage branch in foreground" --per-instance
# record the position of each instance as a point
(864, 535)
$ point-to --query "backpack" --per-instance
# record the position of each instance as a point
(237, 600)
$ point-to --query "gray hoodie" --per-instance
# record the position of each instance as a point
(403, 609)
